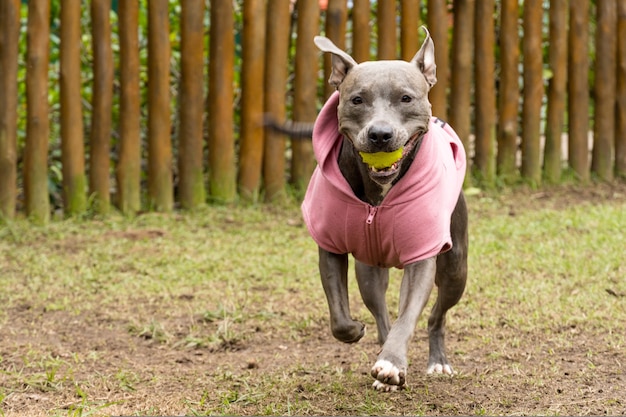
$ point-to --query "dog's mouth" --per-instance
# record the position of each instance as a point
(382, 172)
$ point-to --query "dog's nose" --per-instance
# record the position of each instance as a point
(380, 134)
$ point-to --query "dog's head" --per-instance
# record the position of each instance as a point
(383, 105)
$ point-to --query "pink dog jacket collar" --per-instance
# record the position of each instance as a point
(413, 221)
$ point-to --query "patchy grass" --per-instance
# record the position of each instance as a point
(221, 311)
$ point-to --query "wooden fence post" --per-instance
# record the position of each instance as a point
(620, 114)
(259, 156)
(578, 88)
(508, 97)
(604, 90)
(305, 86)
(9, 41)
(557, 56)
(361, 30)
(276, 74)
(128, 170)
(191, 105)
(533, 91)
(336, 16)
(438, 26)
(252, 75)
(72, 145)
(409, 28)
(484, 159)
(36, 197)
(461, 71)
(222, 171)
(160, 193)
(386, 23)
(102, 99)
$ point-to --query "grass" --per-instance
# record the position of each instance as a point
(552, 260)
(221, 311)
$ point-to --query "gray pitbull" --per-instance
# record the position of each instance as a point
(382, 108)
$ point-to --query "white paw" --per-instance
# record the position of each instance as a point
(388, 376)
(379, 386)
(437, 368)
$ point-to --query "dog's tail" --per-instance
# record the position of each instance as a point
(295, 130)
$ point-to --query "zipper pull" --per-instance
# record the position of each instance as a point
(370, 216)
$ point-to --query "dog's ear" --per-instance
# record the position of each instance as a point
(341, 61)
(425, 59)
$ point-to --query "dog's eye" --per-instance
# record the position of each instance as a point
(406, 99)
(357, 100)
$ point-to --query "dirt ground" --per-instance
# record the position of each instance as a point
(528, 373)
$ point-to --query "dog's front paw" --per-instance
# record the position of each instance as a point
(349, 333)
(388, 376)
(380, 386)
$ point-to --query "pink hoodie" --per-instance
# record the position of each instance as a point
(413, 221)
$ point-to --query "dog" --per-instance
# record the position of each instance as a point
(409, 214)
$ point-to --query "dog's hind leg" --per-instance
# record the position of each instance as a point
(450, 279)
(373, 283)
(334, 273)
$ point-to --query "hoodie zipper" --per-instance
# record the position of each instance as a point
(372, 213)
(371, 231)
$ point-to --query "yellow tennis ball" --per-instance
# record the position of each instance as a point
(381, 160)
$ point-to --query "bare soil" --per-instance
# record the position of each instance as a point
(502, 370)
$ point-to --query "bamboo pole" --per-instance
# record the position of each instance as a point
(276, 74)
(409, 25)
(102, 99)
(222, 173)
(361, 30)
(191, 105)
(336, 17)
(9, 41)
(462, 70)
(305, 86)
(578, 88)
(252, 75)
(72, 145)
(484, 158)
(438, 26)
(620, 113)
(386, 23)
(36, 199)
(533, 91)
(604, 90)
(557, 53)
(508, 97)
(128, 171)
(160, 192)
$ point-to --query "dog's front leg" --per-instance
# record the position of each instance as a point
(391, 364)
(334, 273)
